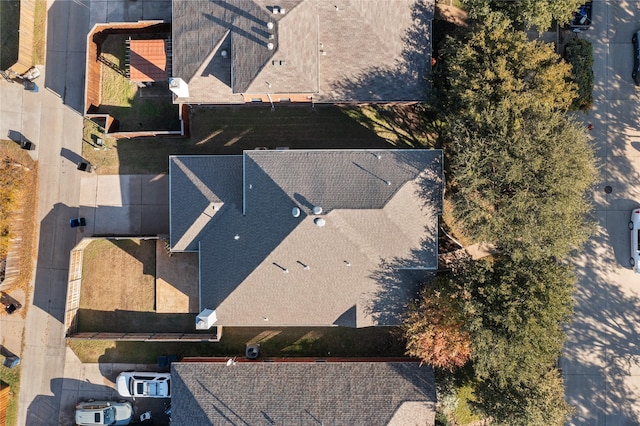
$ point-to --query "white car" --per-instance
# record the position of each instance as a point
(144, 384)
(634, 226)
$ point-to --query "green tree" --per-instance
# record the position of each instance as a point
(538, 403)
(515, 313)
(520, 179)
(531, 13)
(493, 64)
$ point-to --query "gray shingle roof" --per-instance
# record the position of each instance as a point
(338, 50)
(266, 265)
(349, 393)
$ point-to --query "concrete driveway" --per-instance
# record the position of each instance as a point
(601, 359)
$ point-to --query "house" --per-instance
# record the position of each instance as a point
(303, 393)
(331, 51)
(308, 237)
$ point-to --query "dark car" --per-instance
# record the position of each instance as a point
(79, 221)
(636, 58)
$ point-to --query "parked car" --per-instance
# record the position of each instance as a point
(144, 384)
(77, 221)
(636, 58)
(634, 226)
(104, 413)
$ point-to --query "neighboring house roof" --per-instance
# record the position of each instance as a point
(260, 263)
(303, 393)
(335, 51)
(147, 60)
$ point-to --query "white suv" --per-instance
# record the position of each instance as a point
(144, 384)
(104, 413)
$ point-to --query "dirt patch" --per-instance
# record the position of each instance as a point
(177, 286)
(119, 275)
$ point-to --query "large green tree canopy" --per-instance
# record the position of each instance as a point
(515, 311)
(521, 180)
(494, 64)
(531, 13)
(519, 168)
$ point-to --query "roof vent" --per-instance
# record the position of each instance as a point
(295, 212)
(276, 10)
(270, 25)
(282, 11)
(316, 210)
(319, 221)
(224, 53)
(270, 46)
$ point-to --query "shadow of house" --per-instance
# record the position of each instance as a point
(50, 286)
(294, 239)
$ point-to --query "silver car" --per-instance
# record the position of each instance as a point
(634, 226)
(104, 413)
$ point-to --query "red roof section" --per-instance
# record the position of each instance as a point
(147, 60)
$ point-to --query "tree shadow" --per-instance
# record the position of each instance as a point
(602, 350)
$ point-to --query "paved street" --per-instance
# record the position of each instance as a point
(601, 360)
(52, 119)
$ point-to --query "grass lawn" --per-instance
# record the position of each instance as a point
(119, 274)
(274, 342)
(39, 32)
(9, 26)
(230, 130)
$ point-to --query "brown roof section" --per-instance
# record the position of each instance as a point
(147, 60)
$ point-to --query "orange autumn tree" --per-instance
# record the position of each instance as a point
(434, 329)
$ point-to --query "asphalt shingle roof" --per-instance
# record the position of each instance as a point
(334, 50)
(346, 393)
(259, 263)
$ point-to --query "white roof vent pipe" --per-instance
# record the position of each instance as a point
(295, 212)
(319, 222)
(316, 210)
(270, 25)
(224, 53)
(270, 46)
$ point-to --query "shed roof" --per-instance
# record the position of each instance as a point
(336, 393)
(147, 60)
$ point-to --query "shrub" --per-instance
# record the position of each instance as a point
(579, 53)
